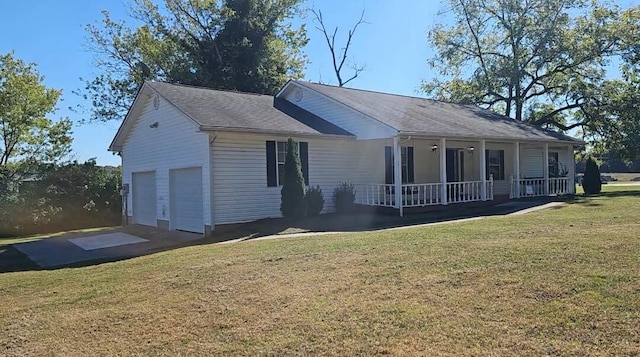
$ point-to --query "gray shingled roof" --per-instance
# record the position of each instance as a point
(430, 117)
(219, 109)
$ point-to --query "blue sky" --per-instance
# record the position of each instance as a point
(51, 33)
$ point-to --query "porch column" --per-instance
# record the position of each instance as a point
(483, 169)
(443, 170)
(397, 174)
(572, 171)
(516, 167)
(545, 160)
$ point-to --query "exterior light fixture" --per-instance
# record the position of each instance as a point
(470, 148)
(434, 147)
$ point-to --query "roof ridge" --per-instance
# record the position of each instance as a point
(207, 88)
(379, 92)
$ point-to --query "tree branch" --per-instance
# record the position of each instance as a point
(339, 61)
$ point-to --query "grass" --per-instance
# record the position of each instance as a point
(562, 281)
(625, 177)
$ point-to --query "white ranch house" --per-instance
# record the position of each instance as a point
(194, 158)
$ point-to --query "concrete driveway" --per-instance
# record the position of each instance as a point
(115, 245)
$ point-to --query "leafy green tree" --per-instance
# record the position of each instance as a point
(537, 60)
(293, 188)
(618, 137)
(62, 197)
(245, 45)
(591, 182)
(27, 136)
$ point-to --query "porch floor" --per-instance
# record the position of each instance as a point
(497, 199)
(365, 218)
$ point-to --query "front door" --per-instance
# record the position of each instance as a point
(455, 165)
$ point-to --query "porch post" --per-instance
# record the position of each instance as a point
(397, 173)
(516, 167)
(443, 170)
(483, 169)
(572, 171)
(545, 159)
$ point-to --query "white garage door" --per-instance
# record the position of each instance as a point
(144, 198)
(186, 199)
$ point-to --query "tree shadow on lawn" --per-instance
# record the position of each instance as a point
(362, 220)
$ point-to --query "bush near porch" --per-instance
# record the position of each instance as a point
(557, 282)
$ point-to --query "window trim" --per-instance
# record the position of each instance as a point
(278, 163)
(500, 165)
(273, 162)
(407, 165)
(553, 167)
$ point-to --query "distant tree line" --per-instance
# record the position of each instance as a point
(609, 163)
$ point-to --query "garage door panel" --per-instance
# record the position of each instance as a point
(144, 198)
(186, 197)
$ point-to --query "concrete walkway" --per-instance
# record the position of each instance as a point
(511, 208)
(69, 250)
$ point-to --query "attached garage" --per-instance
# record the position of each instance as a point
(186, 199)
(144, 198)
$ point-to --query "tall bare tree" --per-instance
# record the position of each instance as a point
(339, 56)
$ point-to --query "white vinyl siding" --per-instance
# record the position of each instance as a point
(360, 125)
(240, 176)
(173, 144)
(531, 162)
(532, 159)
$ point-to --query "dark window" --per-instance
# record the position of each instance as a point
(495, 164)
(406, 164)
(281, 155)
(276, 156)
(554, 165)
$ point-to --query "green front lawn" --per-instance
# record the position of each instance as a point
(562, 281)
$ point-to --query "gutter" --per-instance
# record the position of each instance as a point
(456, 136)
(206, 128)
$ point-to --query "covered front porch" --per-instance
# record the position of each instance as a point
(423, 172)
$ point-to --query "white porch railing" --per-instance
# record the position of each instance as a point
(424, 194)
(559, 186)
(468, 191)
(417, 195)
(375, 195)
(536, 187)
